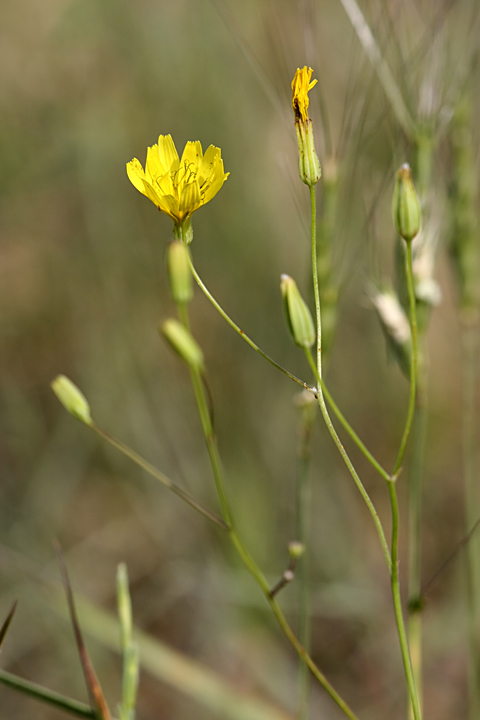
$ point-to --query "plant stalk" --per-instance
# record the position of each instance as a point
(470, 357)
(321, 400)
(249, 562)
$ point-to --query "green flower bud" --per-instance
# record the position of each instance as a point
(308, 162)
(72, 399)
(296, 549)
(183, 343)
(298, 315)
(406, 208)
(179, 272)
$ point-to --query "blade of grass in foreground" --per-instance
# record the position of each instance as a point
(171, 667)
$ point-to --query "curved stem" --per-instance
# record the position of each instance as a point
(358, 442)
(321, 400)
(233, 325)
(249, 562)
(413, 364)
(414, 513)
(151, 470)
(397, 604)
(303, 512)
(73, 707)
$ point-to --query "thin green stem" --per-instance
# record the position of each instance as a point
(233, 325)
(472, 505)
(414, 361)
(303, 504)
(395, 583)
(151, 470)
(249, 562)
(397, 604)
(73, 707)
(414, 532)
(321, 400)
(358, 442)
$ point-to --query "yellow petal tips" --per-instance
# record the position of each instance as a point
(301, 86)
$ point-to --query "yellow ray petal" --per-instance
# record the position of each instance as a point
(136, 175)
(190, 198)
(153, 166)
(192, 155)
(168, 153)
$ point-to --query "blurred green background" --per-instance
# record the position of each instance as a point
(84, 87)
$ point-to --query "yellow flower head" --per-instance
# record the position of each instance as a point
(178, 187)
(300, 86)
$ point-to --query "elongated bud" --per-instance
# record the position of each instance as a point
(183, 343)
(406, 208)
(298, 315)
(72, 399)
(179, 272)
(308, 163)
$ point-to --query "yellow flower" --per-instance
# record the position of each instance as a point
(179, 187)
(300, 86)
(308, 163)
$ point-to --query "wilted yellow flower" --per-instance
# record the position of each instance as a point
(177, 186)
(300, 86)
(308, 163)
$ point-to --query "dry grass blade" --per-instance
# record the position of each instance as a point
(389, 84)
(97, 697)
(6, 624)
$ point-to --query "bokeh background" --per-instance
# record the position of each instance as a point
(86, 85)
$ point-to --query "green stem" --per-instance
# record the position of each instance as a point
(249, 562)
(302, 571)
(414, 533)
(414, 362)
(397, 604)
(472, 506)
(321, 400)
(233, 325)
(395, 583)
(47, 696)
(358, 442)
(151, 470)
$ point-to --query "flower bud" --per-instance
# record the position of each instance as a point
(298, 315)
(72, 399)
(180, 339)
(179, 272)
(296, 549)
(308, 163)
(406, 207)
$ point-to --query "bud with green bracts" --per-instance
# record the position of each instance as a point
(179, 273)
(72, 399)
(180, 339)
(406, 207)
(298, 315)
(308, 162)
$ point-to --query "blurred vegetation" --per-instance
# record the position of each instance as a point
(87, 85)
